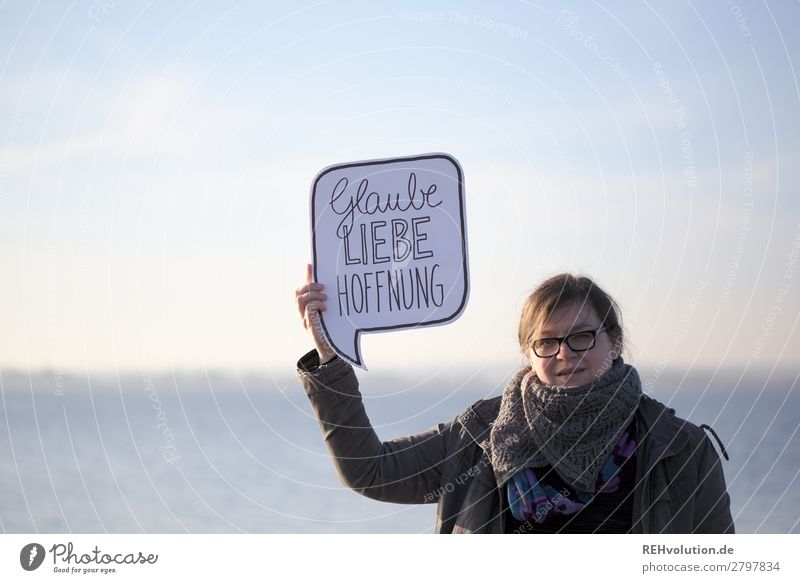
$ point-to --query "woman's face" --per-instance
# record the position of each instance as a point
(569, 368)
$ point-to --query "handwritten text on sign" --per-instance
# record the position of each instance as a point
(390, 245)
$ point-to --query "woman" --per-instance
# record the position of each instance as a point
(572, 445)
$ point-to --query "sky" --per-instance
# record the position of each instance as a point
(156, 161)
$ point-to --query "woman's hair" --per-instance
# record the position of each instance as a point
(561, 290)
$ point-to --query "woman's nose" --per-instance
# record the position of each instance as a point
(564, 351)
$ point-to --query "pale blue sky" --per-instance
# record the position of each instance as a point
(155, 162)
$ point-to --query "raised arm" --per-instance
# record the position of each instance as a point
(405, 470)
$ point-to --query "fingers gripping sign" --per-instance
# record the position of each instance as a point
(310, 302)
(389, 242)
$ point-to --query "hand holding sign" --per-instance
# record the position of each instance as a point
(389, 243)
(310, 301)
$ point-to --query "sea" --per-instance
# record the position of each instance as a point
(203, 452)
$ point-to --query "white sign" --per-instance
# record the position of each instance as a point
(389, 241)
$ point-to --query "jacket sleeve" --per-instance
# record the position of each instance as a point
(712, 503)
(405, 470)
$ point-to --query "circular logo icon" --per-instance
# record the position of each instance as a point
(31, 556)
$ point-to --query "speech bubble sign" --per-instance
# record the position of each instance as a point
(389, 241)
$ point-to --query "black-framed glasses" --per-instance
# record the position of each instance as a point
(578, 342)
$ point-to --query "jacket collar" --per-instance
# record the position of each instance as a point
(478, 419)
(659, 426)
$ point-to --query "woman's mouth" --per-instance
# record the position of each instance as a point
(569, 371)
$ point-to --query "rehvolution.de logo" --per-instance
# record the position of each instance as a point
(31, 556)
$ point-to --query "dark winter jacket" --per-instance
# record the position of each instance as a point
(680, 487)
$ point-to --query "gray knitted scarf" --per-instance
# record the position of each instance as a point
(572, 429)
